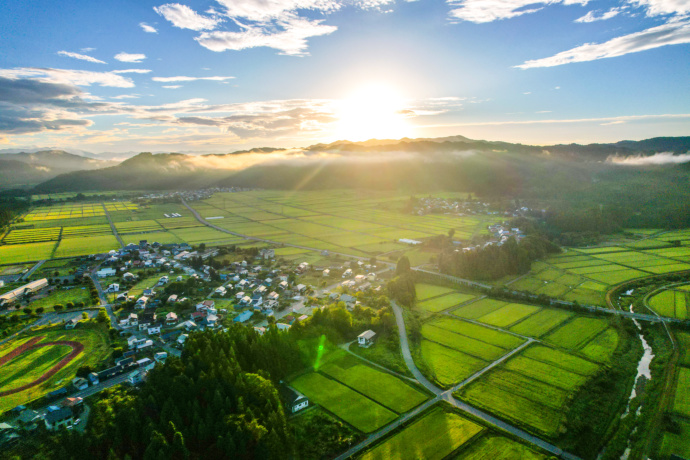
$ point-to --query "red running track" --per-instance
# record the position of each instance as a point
(31, 344)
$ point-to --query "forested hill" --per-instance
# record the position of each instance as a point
(26, 169)
(457, 163)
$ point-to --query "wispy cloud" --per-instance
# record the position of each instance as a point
(663, 7)
(128, 57)
(663, 158)
(183, 17)
(147, 28)
(67, 76)
(481, 11)
(593, 16)
(81, 57)
(172, 86)
(133, 71)
(183, 78)
(673, 33)
(126, 96)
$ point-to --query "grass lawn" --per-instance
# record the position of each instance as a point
(426, 291)
(382, 387)
(442, 303)
(96, 349)
(576, 332)
(447, 365)
(62, 296)
(479, 308)
(434, 436)
(146, 283)
(509, 314)
(345, 403)
(29, 252)
(495, 447)
(542, 322)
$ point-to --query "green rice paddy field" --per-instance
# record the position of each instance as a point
(360, 395)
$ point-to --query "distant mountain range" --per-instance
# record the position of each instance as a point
(449, 163)
(30, 168)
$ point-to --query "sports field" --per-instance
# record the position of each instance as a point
(531, 389)
(43, 361)
(434, 436)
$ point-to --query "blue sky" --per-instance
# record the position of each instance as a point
(221, 75)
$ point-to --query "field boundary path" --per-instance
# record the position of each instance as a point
(26, 275)
(346, 347)
(112, 226)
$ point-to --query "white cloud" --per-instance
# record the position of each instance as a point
(663, 7)
(673, 33)
(181, 78)
(74, 77)
(172, 86)
(132, 71)
(127, 57)
(592, 15)
(263, 10)
(292, 40)
(81, 57)
(184, 17)
(147, 28)
(126, 96)
(87, 50)
(480, 11)
(662, 158)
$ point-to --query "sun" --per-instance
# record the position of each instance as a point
(375, 111)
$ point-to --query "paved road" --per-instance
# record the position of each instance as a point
(112, 226)
(103, 299)
(33, 269)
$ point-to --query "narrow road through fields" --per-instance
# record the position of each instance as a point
(103, 299)
(33, 269)
(112, 226)
(448, 397)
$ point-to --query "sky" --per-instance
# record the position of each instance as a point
(225, 75)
